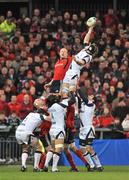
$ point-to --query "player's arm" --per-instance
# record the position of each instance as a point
(72, 99)
(49, 84)
(82, 96)
(80, 62)
(88, 35)
(47, 118)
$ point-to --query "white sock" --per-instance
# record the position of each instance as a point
(37, 157)
(89, 160)
(24, 158)
(96, 160)
(48, 158)
(56, 158)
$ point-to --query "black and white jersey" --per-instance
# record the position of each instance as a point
(31, 122)
(87, 113)
(57, 112)
(74, 68)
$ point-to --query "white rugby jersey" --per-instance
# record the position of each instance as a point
(75, 68)
(32, 121)
(57, 113)
(86, 114)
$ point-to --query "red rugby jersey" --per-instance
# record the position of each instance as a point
(45, 127)
(61, 67)
(70, 117)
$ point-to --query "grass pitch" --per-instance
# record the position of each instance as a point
(109, 173)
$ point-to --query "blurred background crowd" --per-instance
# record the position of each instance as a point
(29, 48)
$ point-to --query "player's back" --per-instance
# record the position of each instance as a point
(57, 112)
(86, 114)
(32, 121)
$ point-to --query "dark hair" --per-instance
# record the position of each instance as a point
(92, 49)
(51, 99)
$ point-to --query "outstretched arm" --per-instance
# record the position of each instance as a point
(88, 35)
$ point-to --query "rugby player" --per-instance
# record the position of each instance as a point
(25, 137)
(79, 61)
(87, 131)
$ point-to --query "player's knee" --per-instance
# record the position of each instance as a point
(83, 149)
(49, 148)
(25, 148)
(59, 147)
(89, 148)
(66, 146)
(72, 147)
(39, 146)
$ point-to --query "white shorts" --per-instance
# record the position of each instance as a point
(57, 134)
(22, 137)
(71, 78)
(87, 132)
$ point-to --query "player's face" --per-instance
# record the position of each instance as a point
(63, 53)
(91, 97)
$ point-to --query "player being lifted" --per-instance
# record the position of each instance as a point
(79, 61)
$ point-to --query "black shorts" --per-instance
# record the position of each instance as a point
(45, 140)
(69, 136)
(88, 141)
(55, 87)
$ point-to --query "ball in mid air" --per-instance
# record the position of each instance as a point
(91, 21)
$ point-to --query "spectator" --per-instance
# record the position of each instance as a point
(106, 119)
(8, 26)
(26, 107)
(13, 120)
(121, 110)
(14, 105)
(4, 105)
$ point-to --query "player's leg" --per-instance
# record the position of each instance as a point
(24, 157)
(23, 138)
(94, 156)
(78, 152)
(39, 149)
(68, 140)
(49, 152)
(86, 154)
(70, 159)
(59, 145)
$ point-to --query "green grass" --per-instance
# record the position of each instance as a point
(110, 173)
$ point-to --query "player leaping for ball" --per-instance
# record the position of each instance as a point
(79, 61)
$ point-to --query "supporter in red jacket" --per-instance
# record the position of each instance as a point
(106, 119)
(4, 107)
(13, 105)
(25, 107)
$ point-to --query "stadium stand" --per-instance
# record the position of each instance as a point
(29, 48)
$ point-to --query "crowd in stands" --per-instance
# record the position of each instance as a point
(29, 48)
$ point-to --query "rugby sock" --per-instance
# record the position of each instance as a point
(37, 156)
(80, 155)
(96, 160)
(89, 159)
(70, 159)
(42, 161)
(56, 157)
(24, 158)
(48, 158)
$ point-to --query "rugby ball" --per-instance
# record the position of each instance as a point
(91, 21)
